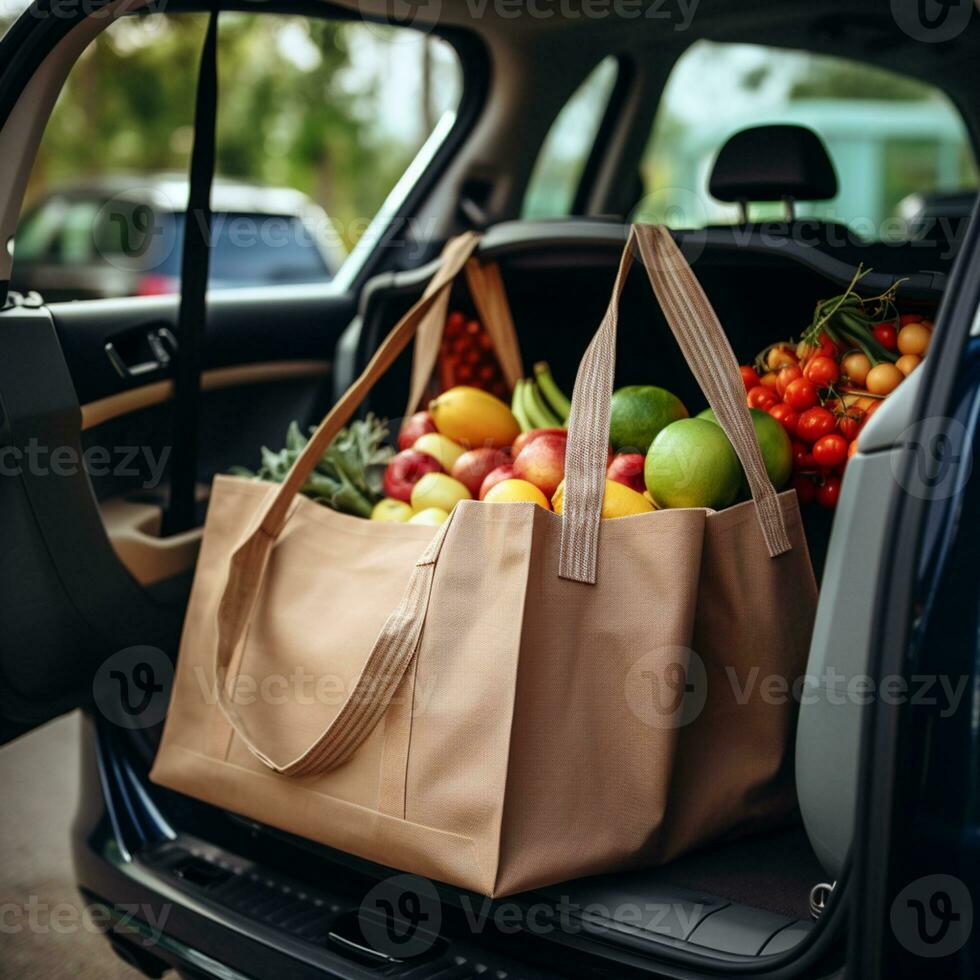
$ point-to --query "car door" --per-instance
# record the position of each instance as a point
(86, 424)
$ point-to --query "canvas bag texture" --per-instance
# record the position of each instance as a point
(517, 697)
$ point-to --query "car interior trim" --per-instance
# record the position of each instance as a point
(125, 402)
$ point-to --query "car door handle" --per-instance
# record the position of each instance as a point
(161, 345)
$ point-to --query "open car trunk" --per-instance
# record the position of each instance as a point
(739, 905)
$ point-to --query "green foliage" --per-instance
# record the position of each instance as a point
(128, 106)
(349, 475)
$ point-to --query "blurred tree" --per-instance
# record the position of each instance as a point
(289, 115)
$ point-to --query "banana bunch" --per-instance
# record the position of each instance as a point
(538, 402)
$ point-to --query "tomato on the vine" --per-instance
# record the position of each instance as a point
(828, 493)
(822, 371)
(802, 457)
(785, 376)
(785, 416)
(849, 424)
(801, 394)
(886, 335)
(750, 377)
(762, 397)
(906, 318)
(805, 488)
(814, 423)
(830, 450)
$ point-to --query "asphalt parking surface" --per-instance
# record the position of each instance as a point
(44, 931)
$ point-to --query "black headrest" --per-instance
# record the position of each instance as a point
(768, 163)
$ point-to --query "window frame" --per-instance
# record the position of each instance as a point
(32, 38)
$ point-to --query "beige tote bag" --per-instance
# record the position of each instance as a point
(515, 698)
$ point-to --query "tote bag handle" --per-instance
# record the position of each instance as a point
(709, 355)
(396, 644)
(490, 299)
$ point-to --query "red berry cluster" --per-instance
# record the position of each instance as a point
(466, 357)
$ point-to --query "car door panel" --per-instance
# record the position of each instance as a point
(87, 570)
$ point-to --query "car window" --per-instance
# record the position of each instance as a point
(565, 151)
(892, 139)
(317, 122)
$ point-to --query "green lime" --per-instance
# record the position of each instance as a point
(692, 464)
(639, 413)
(777, 450)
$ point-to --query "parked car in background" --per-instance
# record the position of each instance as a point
(122, 236)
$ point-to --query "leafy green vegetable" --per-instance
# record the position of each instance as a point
(348, 477)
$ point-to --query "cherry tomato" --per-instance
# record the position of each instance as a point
(822, 371)
(778, 356)
(914, 339)
(801, 394)
(749, 377)
(814, 423)
(761, 397)
(830, 450)
(769, 380)
(849, 424)
(828, 493)
(802, 457)
(886, 335)
(852, 449)
(805, 488)
(856, 366)
(907, 318)
(884, 378)
(785, 375)
(907, 363)
(785, 416)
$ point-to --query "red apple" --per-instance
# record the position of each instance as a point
(405, 470)
(542, 462)
(525, 438)
(501, 473)
(413, 427)
(627, 468)
(474, 466)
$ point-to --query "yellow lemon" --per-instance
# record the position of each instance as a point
(440, 447)
(618, 501)
(438, 490)
(474, 417)
(516, 491)
(391, 511)
(432, 516)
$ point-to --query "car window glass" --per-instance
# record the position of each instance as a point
(318, 120)
(893, 140)
(561, 162)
